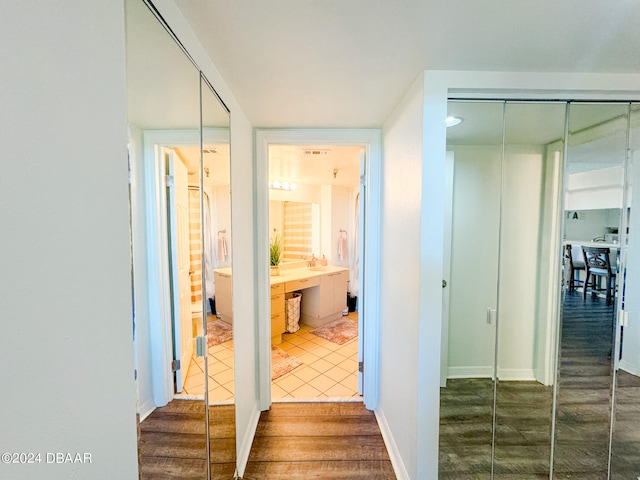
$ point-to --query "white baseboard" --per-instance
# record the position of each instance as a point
(629, 367)
(247, 441)
(505, 374)
(470, 372)
(392, 448)
(145, 409)
(516, 374)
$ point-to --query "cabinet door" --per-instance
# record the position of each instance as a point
(223, 295)
(340, 282)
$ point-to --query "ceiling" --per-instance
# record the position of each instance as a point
(347, 63)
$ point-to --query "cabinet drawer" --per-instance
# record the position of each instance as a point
(277, 288)
(277, 303)
(301, 284)
(277, 323)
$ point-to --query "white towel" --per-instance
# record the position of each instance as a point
(343, 248)
(222, 249)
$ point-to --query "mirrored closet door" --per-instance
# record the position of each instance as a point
(217, 274)
(496, 411)
(565, 376)
(180, 203)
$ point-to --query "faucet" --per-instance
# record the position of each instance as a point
(312, 262)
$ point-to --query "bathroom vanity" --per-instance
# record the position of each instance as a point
(324, 295)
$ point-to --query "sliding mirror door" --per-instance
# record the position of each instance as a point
(497, 388)
(528, 283)
(593, 220)
(163, 96)
(474, 148)
(625, 446)
(216, 274)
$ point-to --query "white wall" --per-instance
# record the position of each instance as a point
(66, 345)
(400, 280)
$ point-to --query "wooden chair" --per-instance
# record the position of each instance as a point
(598, 264)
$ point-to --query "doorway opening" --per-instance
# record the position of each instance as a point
(315, 247)
(321, 288)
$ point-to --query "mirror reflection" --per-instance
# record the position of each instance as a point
(560, 399)
(216, 260)
(592, 220)
(179, 195)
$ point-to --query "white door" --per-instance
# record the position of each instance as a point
(178, 213)
(361, 213)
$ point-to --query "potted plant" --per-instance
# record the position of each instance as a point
(275, 250)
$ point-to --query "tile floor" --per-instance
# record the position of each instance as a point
(328, 372)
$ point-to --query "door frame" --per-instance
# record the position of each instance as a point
(371, 140)
(158, 286)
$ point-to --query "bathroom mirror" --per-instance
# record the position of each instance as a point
(299, 225)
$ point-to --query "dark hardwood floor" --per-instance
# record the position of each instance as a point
(318, 440)
(524, 413)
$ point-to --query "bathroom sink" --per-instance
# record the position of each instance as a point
(320, 268)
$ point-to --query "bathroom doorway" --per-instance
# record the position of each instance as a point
(314, 212)
(327, 175)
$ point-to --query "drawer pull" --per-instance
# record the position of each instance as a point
(304, 280)
(275, 315)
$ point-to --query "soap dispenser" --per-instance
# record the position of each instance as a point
(323, 262)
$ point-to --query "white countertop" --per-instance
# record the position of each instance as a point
(292, 274)
(587, 243)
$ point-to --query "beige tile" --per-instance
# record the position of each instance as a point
(296, 340)
(296, 351)
(219, 393)
(322, 383)
(339, 390)
(306, 391)
(289, 382)
(306, 373)
(194, 390)
(194, 380)
(335, 358)
(286, 346)
(320, 351)
(337, 373)
(308, 358)
(277, 391)
(321, 365)
(223, 354)
(351, 382)
(223, 377)
(216, 368)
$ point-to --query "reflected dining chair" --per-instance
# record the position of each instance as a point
(598, 264)
(575, 260)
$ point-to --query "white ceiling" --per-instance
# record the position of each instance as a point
(347, 63)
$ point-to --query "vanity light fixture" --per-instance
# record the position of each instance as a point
(277, 185)
(452, 121)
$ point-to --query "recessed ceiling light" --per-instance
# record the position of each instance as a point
(452, 121)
